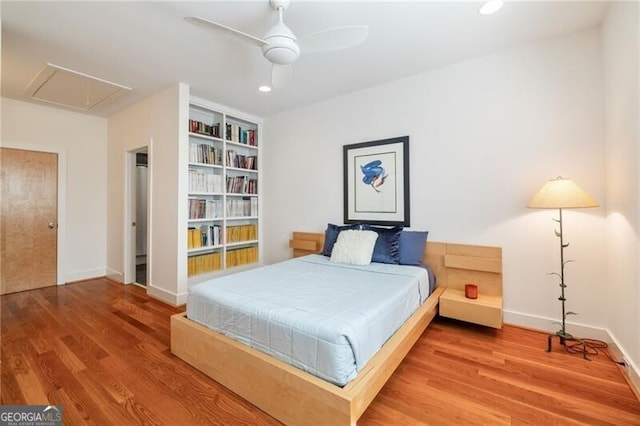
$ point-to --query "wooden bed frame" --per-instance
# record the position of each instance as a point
(298, 398)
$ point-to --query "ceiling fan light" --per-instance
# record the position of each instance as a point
(491, 6)
(281, 51)
(264, 88)
(281, 55)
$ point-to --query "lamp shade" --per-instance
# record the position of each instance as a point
(561, 193)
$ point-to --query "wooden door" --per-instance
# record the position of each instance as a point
(28, 219)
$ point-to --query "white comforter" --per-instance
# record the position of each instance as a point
(325, 318)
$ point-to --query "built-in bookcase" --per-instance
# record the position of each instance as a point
(223, 191)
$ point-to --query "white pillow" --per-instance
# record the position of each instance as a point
(354, 247)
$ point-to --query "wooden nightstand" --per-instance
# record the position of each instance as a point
(481, 266)
(485, 310)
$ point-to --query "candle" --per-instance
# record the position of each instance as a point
(471, 291)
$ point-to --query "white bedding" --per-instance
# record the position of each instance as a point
(325, 318)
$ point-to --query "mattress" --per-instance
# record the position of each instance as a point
(325, 318)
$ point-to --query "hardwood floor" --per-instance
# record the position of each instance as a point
(101, 350)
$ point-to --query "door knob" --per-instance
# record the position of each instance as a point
(52, 225)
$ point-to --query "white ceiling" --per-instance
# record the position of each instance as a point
(149, 46)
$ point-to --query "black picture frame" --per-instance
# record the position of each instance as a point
(376, 182)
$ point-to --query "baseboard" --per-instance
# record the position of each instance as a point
(167, 296)
(157, 293)
(114, 275)
(84, 275)
(632, 372)
(547, 324)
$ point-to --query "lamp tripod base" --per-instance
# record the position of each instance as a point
(564, 337)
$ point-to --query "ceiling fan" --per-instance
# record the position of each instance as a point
(281, 47)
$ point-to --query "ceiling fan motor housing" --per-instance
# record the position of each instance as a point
(281, 47)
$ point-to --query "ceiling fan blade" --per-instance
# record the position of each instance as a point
(205, 23)
(281, 75)
(334, 39)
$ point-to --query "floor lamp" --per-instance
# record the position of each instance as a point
(562, 193)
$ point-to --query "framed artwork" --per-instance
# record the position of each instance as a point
(376, 182)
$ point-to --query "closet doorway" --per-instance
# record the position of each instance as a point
(137, 253)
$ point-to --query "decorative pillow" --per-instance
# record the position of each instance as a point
(412, 247)
(387, 249)
(331, 234)
(354, 247)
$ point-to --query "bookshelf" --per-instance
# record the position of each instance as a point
(223, 191)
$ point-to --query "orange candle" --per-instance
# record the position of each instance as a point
(471, 291)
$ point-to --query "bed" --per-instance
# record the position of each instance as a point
(271, 384)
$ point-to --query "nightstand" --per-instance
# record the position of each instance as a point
(485, 310)
(481, 266)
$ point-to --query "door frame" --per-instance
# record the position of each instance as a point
(61, 255)
(129, 240)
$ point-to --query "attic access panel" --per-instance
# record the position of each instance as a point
(66, 87)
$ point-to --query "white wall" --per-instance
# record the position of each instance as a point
(81, 143)
(484, 137)
(154, 122)
(620, 33)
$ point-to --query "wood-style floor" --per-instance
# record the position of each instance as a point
(101, 350)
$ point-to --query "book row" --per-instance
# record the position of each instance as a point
(204, 263)
(200, 181)
(242, 185)
(240, 207)
(236, 133)
(211, 235)
(242, 161)
(205, 154)
(210, 262)
(204, 129)
(204, 236)
(202, 208)
(239, 233)
(242, 256)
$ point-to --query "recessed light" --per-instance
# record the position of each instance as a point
(492, 6)
(264, 89)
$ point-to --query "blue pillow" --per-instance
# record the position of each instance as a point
(412, 247)
(331, 235)
(387, 248)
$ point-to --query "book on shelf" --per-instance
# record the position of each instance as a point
(211, 235)
(242, 185)
(242, 256)
(241, 161)
(193, 240)
(205, 154)
(205, 208)
(204, 236)
(202, 181)
(253, 207)
(204, 263)
(239, 207)
(239, 134)
(196, 126)
(240, 233)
